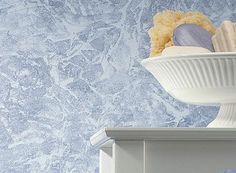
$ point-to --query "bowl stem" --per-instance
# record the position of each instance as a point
(226, 116)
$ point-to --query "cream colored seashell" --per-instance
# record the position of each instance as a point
(224, 39)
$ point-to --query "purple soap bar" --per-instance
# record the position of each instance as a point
(192, 35)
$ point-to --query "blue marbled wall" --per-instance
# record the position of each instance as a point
(70, 67)
(230, 171)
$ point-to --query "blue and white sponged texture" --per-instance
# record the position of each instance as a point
(71, 67)
(230, 171)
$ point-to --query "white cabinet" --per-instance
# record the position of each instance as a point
(166, 150)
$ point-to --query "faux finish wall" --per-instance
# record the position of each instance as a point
(71, 67)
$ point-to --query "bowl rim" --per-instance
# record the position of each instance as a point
(190, 56)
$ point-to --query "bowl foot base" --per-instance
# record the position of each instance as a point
(226, 117)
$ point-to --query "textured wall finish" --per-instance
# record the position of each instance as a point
(70, 67)
(230, 171)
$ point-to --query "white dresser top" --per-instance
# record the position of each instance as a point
(106, 136)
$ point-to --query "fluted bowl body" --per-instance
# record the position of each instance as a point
(199, 78)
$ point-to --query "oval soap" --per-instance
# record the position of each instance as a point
(192, 35)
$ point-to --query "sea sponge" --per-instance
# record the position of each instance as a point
(166, 22)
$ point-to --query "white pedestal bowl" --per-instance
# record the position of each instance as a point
(200, 79)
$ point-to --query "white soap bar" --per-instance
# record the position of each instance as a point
(183, 50)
